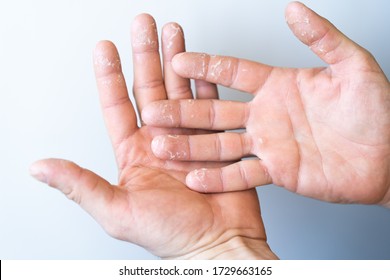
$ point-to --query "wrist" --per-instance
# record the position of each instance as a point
(235, 248)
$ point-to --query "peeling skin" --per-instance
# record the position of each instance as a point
(307, 35)
(300, 17)
(197, 67)
(305, 19)
(177, 30)
(202, 73)
(199, 175)
(177, 155)
(109, 82)
(106, 82)
(144, 37)
(320, 48)
(166, 113)
(159, 148)
(301, 22)
(104, 62)
(119, 79)
(215, 70)
(219, 68)
(169, 117)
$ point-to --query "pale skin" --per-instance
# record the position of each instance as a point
(151, 206)
(321, 132)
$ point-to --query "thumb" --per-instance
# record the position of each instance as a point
(89, 190)
(324, 39)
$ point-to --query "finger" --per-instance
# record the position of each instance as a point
(206, 90)
(239, 176)
(240, 74)
(117, 109)
(176, 86)
(208, 147)
(202, 114)
(91, 192)
(148, 80)
(319, 34)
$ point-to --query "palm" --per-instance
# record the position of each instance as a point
(324, 140)
(321, 132)
(161, 214)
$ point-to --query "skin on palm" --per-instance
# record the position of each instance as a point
(322, 132)
(185, 220)
(173, 221)
(151, 206)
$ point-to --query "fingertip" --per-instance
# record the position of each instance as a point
(172, 32)
(144, 33)
(46, 170)
(185, 65)
(294, 8)
(178, 59)
(102, 45)
(196, 180)
(172, 39)
(297, 13)
(307, 26)
(172, 28)
(147, 114)
(141, 21)
(143, 18)
(157, 146)
(38, 171)
(103, 48)
(106, 58)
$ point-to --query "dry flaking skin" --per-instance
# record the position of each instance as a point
(175, 31)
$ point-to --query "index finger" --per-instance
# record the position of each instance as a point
(118, 112)
(207, 114)
(240, 74)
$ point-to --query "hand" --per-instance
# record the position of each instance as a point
(151, 206)
(320, 132)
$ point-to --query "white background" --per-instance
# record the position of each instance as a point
(49, 108)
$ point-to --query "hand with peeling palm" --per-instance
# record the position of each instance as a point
(321, 132)
(151, 206)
